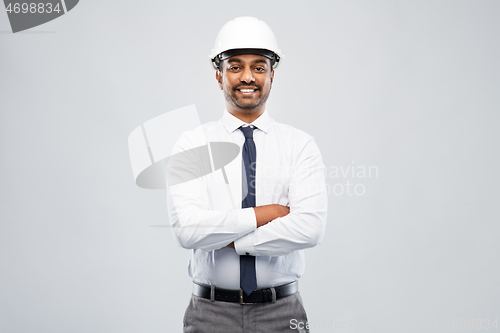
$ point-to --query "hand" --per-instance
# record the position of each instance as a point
(267, 213)
(281, 211)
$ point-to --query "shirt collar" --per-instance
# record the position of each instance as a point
(231, 123)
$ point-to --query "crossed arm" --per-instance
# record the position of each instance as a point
(267, 213)
(269, 230)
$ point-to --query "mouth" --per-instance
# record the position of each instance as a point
(247, 91)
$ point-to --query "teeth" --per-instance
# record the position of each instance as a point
(246, 90)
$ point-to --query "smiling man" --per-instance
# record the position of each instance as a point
(247, 83)
(248, 223)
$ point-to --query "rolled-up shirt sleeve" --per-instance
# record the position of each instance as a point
(304, 226)
(194, 225)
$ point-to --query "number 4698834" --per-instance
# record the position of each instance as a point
(32, 8)
(477, 324)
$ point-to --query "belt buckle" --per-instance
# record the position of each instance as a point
(241, 298)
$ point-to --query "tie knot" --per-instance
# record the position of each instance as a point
(247, 132)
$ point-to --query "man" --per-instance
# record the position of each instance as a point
(248, 222)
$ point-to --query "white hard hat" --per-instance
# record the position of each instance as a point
(249, 35)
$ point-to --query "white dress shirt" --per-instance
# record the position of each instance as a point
(206, 214)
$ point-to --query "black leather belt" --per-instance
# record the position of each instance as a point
(238, 296)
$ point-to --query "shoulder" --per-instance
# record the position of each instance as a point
(300, 144)
(290, 133)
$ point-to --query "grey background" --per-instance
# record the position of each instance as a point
(410, 87)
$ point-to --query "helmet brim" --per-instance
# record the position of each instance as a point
(235, 52)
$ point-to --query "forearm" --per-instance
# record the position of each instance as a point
(196, 227)
(267, 213)
(296, 231)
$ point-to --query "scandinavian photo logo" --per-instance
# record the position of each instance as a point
(26, 14)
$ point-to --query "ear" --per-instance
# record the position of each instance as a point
(272, 76)
(218, 77)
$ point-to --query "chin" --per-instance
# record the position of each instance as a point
(248, 108)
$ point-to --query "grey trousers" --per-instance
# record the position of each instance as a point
(204, 316)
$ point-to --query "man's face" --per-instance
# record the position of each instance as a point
(246, 81)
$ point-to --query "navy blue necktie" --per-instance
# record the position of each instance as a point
(248, 278)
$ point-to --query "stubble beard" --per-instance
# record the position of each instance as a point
(231, 98)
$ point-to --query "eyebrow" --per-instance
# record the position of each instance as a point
(256, 61)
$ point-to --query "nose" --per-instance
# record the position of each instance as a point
(247, 76)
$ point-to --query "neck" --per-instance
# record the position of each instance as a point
(246, 115)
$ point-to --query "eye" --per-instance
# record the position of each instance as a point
(234, 68)
(260, 69)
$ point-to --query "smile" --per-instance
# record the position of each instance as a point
(247, 91)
